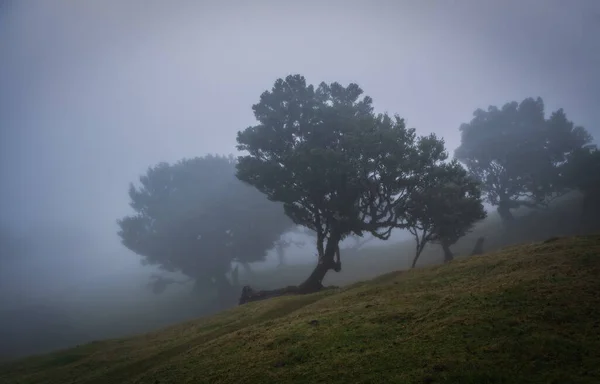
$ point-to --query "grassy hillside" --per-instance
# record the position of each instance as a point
(528, 313)
(118, 306)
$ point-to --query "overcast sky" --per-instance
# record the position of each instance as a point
(94, 92)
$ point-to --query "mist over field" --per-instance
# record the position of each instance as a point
(93, 94)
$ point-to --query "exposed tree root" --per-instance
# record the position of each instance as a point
(249, 294)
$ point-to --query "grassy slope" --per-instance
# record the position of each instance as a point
(528, 313)
(119, 311)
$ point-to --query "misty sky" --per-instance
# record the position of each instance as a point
(94, 92)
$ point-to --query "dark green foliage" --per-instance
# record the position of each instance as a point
(515, 152)
(338, 168)
(582, 172)
(195, 217)
(444, 207)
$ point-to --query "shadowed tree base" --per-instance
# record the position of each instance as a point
(311, 285)
(478, 249)
(314, 283)
(448, 255)
(250, 295)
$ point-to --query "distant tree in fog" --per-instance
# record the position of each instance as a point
(282, 245)
(339, 168)
(582, 172)
(516, 153)
(444, 208)
(197, 218)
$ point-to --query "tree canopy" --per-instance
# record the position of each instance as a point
(582, 172)
(515, 152)
(443, 208)
(195, 217)
(338, 168)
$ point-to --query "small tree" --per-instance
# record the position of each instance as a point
(338, 168)
(515, 152)
(582, 172)
(195, 217)
(443, 208)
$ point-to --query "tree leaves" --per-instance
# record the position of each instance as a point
(515, 152)
(582, 170)
(195, 217)
(336, 165)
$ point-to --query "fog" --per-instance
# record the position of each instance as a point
(93, 93)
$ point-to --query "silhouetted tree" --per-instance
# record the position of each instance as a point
(444, 208)
(582, 172)
(196, 217)
(515, 153)
(338, 168)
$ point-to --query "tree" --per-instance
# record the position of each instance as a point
(582, 172)
(195, 217)
(359, 241)
(338, 168)
(515, 153)
(443, 208)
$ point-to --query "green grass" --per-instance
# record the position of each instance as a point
(525, 314)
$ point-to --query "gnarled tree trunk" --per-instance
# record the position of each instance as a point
(505, 213)
(420, 246)
(329, 260)
(478, 248)
(448, 255)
